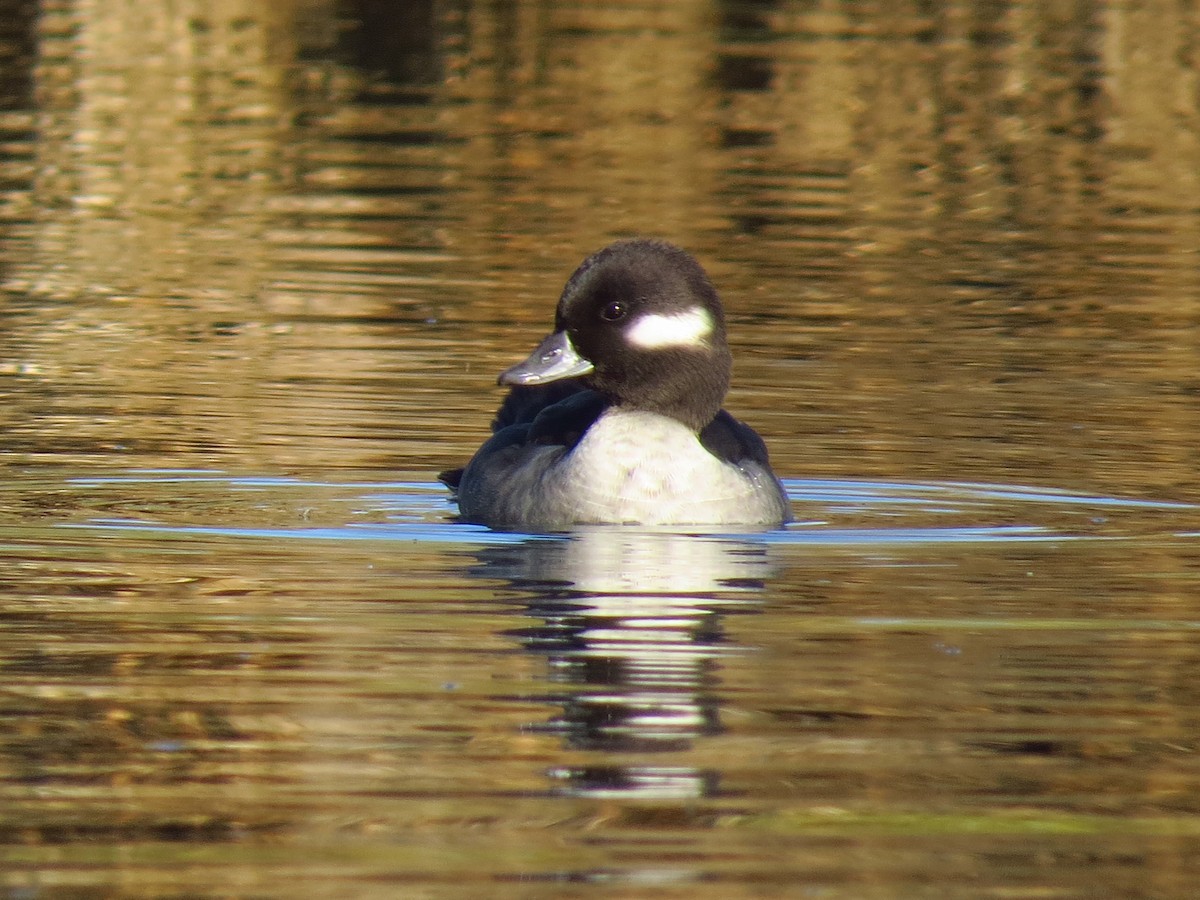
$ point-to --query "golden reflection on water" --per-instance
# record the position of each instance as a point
(958, 242)
(961, 242)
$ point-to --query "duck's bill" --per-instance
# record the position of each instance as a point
(554, 359)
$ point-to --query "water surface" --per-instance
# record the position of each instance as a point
(260, 267)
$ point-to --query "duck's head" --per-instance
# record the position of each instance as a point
(639, 322)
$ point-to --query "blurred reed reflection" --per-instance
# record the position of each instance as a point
(949, 236)
(630, 623)
(341, 160)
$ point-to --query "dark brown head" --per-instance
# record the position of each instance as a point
(640, 322)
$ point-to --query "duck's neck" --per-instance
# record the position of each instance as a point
(689, 388)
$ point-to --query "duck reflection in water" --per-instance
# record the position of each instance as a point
(630, 622)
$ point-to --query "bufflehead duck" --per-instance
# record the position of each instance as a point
(616, 417)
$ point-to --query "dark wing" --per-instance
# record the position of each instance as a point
(734, 442)
(557, 413)
(564, 422)
(523, 404)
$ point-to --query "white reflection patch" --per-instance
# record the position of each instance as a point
(685, 329)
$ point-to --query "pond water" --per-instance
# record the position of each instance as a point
(260, 266)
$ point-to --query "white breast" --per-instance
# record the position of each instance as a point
(638, 467)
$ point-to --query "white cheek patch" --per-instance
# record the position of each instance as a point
(685, 329)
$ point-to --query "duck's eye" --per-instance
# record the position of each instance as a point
(614, 312)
